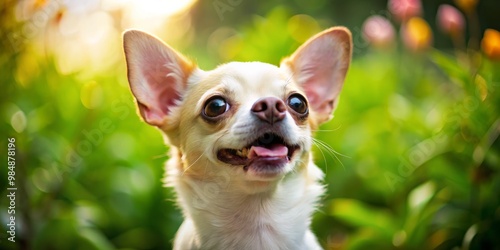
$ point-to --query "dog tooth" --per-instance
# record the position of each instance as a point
(242, 152)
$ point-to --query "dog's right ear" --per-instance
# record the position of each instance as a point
(157, 75)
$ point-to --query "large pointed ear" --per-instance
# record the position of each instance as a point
(320, 66)
(157, 75)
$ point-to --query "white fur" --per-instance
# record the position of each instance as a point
(216, 217)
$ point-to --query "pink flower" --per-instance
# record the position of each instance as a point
(450, 20)
(405, 9)
(416, 34)
(378, 31)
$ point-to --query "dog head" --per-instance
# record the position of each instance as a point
(250, 119)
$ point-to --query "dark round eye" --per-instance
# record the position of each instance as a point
(215, 106)
(298, 103)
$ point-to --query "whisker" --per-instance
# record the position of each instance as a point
(325, 130)
(199, 157)
(166, 155)
(321, 151)
(322, 145)
(328, 147)
(160, 156)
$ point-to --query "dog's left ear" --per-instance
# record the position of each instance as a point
(320, 66)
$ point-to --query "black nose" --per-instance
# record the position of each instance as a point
(269, 109)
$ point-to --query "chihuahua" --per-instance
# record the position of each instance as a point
(240, 138)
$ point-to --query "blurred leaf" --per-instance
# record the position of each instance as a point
(368, 239)
(420, 196)
(137, 238)
(362, 215)
(94, 239)
(451, 67)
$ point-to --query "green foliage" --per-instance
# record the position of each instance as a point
(416, 138)
(423, 155)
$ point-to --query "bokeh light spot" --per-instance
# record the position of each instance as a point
(121, 145)
(43, 180)
(91, 95)
(302, 27)
(18, 121)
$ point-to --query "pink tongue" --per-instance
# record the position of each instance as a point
(275, 150)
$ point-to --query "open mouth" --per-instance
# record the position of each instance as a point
(268, 151)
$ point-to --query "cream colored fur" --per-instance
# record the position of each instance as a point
(228, 206)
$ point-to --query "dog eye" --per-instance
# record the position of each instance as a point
(215, 106)
(298, 103)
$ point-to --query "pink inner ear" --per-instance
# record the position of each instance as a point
(158, 88)
(319, 76)
(157, 75)
(159, 95)
(162, 83)
(320, 66)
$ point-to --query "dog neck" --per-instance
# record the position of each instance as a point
(221, 215)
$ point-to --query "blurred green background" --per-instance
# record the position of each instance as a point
(416, 131)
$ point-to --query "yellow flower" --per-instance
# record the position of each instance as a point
(491, 44)
(416, 34)
(38, 4)
(466, 5)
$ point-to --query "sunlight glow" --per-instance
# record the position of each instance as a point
(85, 36)
(147, 14)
